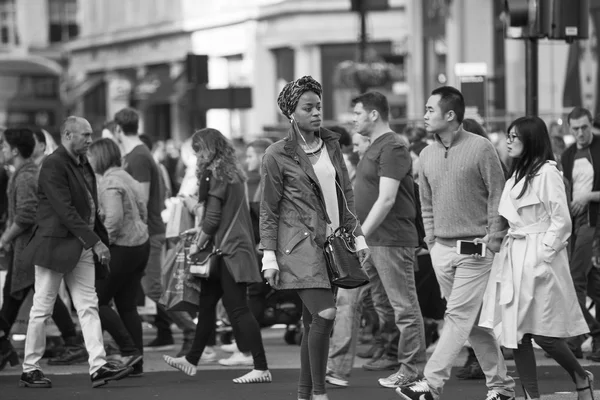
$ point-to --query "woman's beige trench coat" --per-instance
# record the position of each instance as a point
(530, 289)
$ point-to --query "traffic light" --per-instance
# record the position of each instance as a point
(369, 5)
(552, 19)
(570, 20)
(196, 67)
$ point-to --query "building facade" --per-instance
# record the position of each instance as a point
(132, 52)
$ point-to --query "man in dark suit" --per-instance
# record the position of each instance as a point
(70, 242)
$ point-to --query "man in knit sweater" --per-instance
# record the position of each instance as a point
(461, 181)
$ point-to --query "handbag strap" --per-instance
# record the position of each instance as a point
(237, 213)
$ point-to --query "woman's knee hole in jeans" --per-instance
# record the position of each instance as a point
(328, 313)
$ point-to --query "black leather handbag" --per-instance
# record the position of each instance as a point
(343, 265)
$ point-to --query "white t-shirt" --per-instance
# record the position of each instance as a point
(583, 174)
(325, 172)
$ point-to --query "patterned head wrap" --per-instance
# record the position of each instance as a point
(291, 92)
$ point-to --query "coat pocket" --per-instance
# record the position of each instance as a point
(297, 238)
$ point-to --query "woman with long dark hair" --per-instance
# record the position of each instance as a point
(530, 289)
(124, 215)
(307, 195)
(222, 187)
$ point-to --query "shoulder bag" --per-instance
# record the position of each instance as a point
(343, 265)
(206, 261)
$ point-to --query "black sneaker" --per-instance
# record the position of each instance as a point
(34, 379)
(418, 390)
(594, 356)
(74, 355)
(160, 344)
(130, 361)
(493, 395)
(138, 371)
(109, 372)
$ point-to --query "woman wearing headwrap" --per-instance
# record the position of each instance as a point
(306, 196)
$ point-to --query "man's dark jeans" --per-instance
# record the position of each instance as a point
(586, 279)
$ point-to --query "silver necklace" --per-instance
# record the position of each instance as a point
(308, 149)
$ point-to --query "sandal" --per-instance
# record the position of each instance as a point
(255, 376)
(590, 386)
(181, 364)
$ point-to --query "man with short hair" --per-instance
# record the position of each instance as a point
(461, 182)
(581, 167)
(385, 204)
(140, 164)
(67, 241)
(349, 304)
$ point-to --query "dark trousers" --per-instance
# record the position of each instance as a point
(245, 328)
(126, 270)
(525, 361)
(11, 305)
(586, 278)
(432, 304)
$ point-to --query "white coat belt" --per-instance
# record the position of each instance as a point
(507, 290)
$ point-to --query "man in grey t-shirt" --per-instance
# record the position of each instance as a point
(140, 164)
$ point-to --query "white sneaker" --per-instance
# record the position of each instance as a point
(208, 355)
(237, 359)
(230, 348)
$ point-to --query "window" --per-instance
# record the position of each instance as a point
(8, 23)
(63, 24)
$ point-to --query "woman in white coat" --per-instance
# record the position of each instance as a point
(530, 289)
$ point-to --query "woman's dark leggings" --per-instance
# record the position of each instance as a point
(525, 360)
(127, 266)
(314, 349)
(245, 328)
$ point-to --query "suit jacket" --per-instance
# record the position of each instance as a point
(62, 232)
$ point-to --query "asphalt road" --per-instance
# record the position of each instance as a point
(217, 385)
(213, 382)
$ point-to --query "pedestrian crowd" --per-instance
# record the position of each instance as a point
(459, 248)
